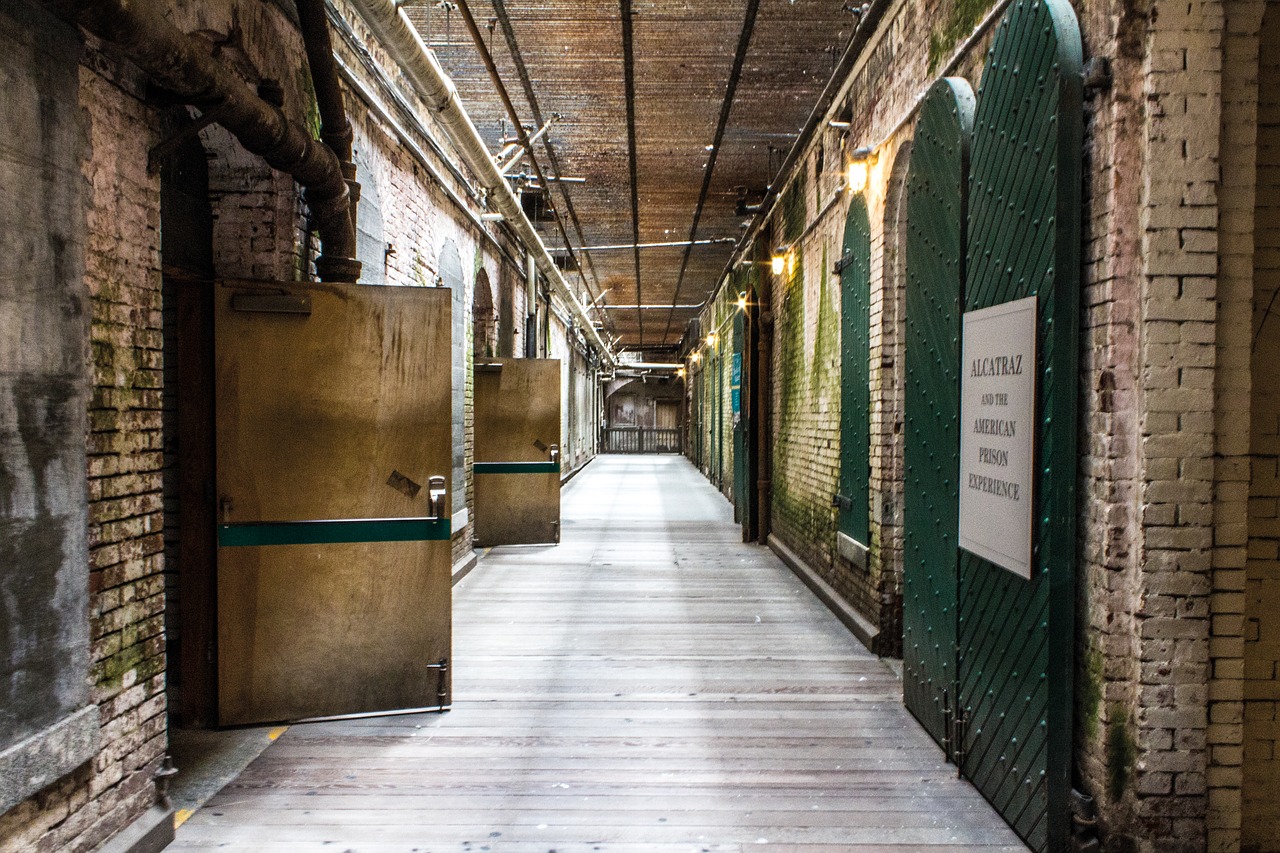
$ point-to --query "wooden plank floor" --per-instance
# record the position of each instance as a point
(649, 685)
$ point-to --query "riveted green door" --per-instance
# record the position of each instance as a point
(333, 455)
(1015, 634)
(737, 388)
(855, 376)
(516, 472)
(936, 197)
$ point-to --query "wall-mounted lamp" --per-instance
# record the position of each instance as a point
(859, 170)
(695, 357)
(712, 339)
(742, 301)
(680, 372)
(779, 264)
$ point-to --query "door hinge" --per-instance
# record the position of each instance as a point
(947, 723)
(442, 674)
(958, 740)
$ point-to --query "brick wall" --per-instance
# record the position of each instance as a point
(1167, 289)
(1110, 518)
(878, 99)
(806, 390)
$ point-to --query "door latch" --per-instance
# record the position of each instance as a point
(436, 494)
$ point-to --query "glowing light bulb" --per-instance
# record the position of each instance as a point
(857, 177)
(779, 264)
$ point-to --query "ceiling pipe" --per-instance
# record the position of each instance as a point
(393, 29)
(183, 65)
(675, 244)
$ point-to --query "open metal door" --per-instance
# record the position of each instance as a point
(517, 451)
(1015, 660)
(333, 455)
(936, 210)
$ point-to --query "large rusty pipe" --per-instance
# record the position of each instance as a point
(335, 129)
(182, 64)
(393, 29)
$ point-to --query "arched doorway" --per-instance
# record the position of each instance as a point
(484, 321)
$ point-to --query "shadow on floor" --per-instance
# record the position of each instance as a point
(208, 759)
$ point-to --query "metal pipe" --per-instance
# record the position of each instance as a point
(391, 26)
(664, 306)
(335, 129)
(509, 151)
(182, 64)
(676, 244)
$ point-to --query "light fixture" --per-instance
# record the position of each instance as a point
(857, 176)
(859, 170)
(742, 301)
(779, 264)
(712, 339)
(680, 372)
(695, 357)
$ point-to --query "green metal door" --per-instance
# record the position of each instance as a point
(736, 411)
(1016, 635)
(855, 375)
(936, 198)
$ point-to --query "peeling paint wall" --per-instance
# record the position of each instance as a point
(44, 315)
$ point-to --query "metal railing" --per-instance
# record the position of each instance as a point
(642, 440)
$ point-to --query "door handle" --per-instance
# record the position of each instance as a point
(555, 453)
(436, 494)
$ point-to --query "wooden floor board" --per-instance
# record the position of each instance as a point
(650, 685)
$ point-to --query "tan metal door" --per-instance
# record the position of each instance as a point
(333, 454)
(517, 451)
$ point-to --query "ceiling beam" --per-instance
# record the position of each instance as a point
(526, 83)
(629, 82)
(726, 107)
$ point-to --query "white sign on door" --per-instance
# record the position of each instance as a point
(997, 433)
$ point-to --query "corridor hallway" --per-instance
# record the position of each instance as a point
(650, 684)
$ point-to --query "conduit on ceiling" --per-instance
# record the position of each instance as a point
(393, 29)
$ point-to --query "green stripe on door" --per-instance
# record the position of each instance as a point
(333, 531)
(517, 467)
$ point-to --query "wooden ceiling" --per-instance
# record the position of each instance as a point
(647, 110)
